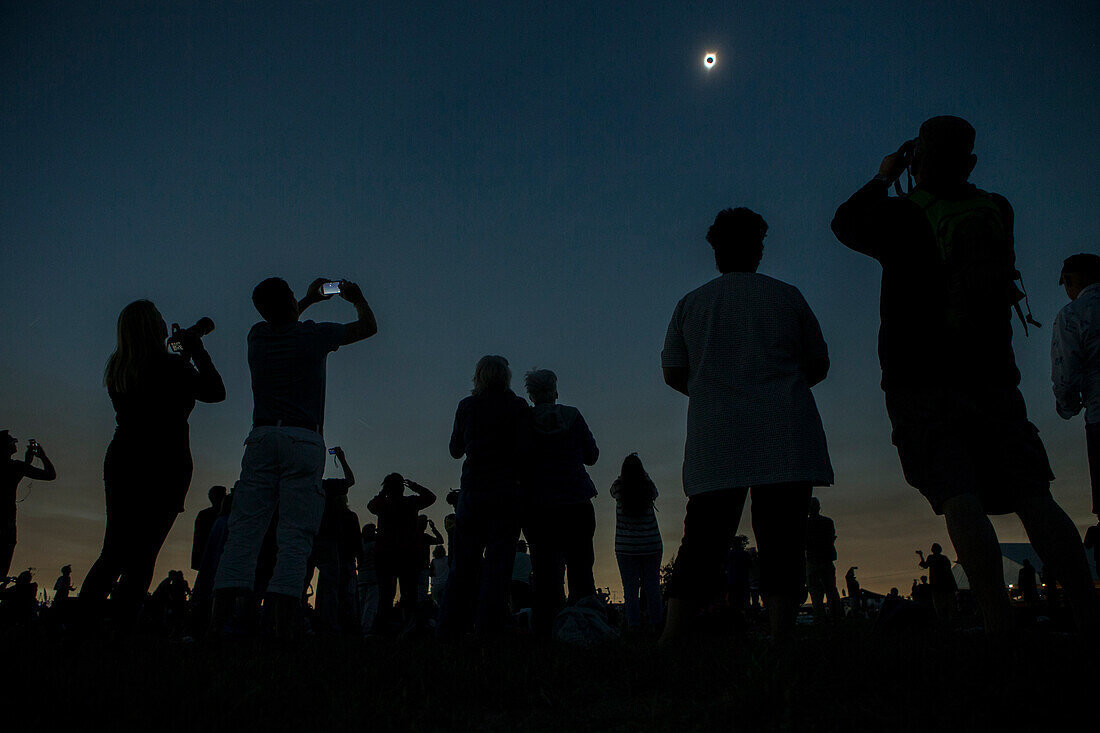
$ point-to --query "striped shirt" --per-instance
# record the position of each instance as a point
(636, 534)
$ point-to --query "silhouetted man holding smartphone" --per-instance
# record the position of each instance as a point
(12, 472)
(284, 457)
(948, 369)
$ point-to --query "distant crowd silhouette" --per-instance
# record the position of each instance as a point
(745, 348)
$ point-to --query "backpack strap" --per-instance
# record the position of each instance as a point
(942, 216)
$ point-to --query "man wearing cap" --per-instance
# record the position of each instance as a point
(1075, 355)
(948, 369)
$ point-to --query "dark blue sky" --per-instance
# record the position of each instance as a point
(502, 178)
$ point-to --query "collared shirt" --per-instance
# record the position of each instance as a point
(747, 340)
(1075, 356)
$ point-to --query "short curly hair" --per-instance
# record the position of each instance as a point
(542, 385)
(737, 236)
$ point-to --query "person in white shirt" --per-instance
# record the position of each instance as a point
(746, 349)
(1075, 355)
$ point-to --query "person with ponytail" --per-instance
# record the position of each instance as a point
(147, 469)
(638, 546)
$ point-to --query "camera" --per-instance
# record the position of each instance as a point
(907, 149)
(200, 329)
(332, 288)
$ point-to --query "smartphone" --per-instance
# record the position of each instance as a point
(330, 289)
(174, 344)
(332, 451)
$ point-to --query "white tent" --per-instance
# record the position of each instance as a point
(1012, 556)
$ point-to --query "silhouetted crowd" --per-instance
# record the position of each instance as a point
(745, 348)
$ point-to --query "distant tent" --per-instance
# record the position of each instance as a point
(1013, 555)
(960, 577)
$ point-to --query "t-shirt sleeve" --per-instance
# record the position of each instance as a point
(675, 353)
(329, 336)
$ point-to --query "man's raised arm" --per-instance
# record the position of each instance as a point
(862, 221)
(46, 473)
(365, 326)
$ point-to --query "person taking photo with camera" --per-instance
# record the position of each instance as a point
(13, 472)
(147, 469)
(284, 456)
(948, 368)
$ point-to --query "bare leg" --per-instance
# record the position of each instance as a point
(1058, 544)
(782, 612)
(678, 618)
(836, 611)
(975, 541)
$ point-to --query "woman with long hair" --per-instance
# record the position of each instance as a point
(147, 470)
(486, 432)
(638, 546)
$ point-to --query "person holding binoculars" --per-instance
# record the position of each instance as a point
(153, 381)
(12, 473)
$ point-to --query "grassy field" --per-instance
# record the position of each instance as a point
(838, 678)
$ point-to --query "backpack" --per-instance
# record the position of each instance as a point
(978, 258)
(584, 624)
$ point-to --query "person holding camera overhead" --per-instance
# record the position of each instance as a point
(147, 469)
(284, 456)
(12, 473)
(949, 373)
